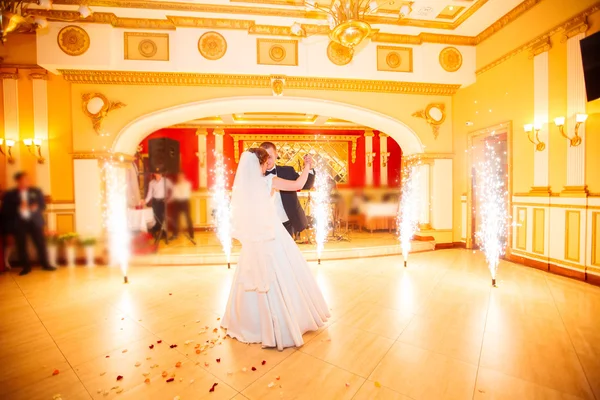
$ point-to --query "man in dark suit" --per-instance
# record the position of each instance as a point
(22, 214)
(288, 207)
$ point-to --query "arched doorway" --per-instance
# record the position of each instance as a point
(133, 133)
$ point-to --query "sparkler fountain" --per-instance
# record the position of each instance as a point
(221, 200)
(409, 208)
(115, 216)
(491, 195)
(320, 207)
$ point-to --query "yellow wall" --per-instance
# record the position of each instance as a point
(505, 93)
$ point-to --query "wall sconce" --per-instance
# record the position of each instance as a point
(539, 145)
(9, 145)
(370, 158)
(384, 159)
(38, 144)
(560, 123)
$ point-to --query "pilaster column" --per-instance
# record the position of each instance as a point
(369, 157)
(201, 134)
(88, 195)
(10, 94)
(40, 129)
(540, 105)
(576, 100)
(383, 151)
(425, 194)
(219, 133)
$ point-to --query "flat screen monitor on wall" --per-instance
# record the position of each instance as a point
(590, 55)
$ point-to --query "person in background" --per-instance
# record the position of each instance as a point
(158, 190)
(182, 192)
(22, 215)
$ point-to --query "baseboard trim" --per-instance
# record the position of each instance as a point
(579, 275)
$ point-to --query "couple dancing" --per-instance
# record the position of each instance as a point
(274, 297)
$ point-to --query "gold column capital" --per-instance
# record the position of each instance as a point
(37, 75)
(369, 133)
(219, 132)
(541, 46)
(9, 75)
(201, 132)
(575, 27)
(383, 135)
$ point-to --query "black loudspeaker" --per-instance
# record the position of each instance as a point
(164, 155)
(590, 56)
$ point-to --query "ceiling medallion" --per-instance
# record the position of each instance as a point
(147, 48)
(393, 59)
(73, 40)
(277, 53)
(450, 59)
(212, 45)
(338, 54)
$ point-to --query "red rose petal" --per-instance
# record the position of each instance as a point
(173, 346)
(120, 377)
(151, 346)
(253, 368)
(264, 362)
(55, 372)
(170, 380)
(107, 356)
(212, 389)
(159, 341)
(218, 360)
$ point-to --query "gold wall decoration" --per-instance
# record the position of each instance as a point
(256, 81)
(423, 37)
(277, 83)
(212, 45)
(96, 106)
(338, 54)
(292, 148)
(394, 59)
(572, 235)
(596, 238)
(146, 46)
(435, 115)
(292, 138)
(521, 239)
(539, 230)
(450, 59)
(73, 40)
(277, 52)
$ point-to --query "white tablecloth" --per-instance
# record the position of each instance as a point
(372, 210)
(139, 220)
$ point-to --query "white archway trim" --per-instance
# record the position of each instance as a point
(133, 133)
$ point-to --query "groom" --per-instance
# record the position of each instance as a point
(288, 207)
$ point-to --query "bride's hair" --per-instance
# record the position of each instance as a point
(261, 154)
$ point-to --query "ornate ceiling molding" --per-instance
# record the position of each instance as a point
(263, 127)
(268, 11)
(255, 81)
(172, 22)
(562, 27)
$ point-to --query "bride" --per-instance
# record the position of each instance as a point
(274, 297)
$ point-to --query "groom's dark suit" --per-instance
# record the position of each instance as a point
(291, 205)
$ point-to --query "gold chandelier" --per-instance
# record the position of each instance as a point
(347, 18)
(14, 17)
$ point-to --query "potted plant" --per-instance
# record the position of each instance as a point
(68, 240)
(88, 245)
(52, 241)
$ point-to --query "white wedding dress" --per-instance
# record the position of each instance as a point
(274, 297)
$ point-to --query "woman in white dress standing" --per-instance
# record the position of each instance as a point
(274, 297)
